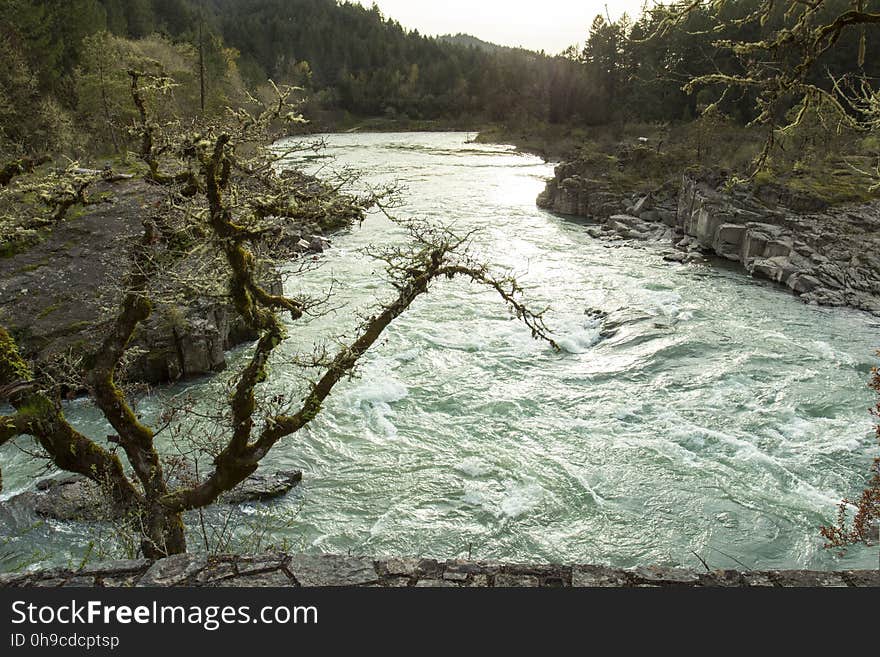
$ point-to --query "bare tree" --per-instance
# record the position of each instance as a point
(222, 183)
(863, 526)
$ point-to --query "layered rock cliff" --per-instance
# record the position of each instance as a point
(826, 255)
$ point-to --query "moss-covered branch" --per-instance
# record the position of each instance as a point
(163, 531)
(135, 438)
(241, 458)
(150, 153)
(39, 416)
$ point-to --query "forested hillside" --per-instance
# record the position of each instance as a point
(354, 61)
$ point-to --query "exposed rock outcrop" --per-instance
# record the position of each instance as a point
(56, 295)
(826, 255)
(283, 570)
(829, 257)
(572, 192)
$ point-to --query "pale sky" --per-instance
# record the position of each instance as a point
(549, 25)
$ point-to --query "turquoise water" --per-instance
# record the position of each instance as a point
(708, 413)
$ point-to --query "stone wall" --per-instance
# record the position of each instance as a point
(279, 570)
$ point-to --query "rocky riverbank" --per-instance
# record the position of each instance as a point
(826, 255)
(56, 295)
(282, 570)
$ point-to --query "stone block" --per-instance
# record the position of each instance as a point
(863, 578)
(776, 248)
(722, 578)
(803, 283)
(399, 567)
(435, 584)
(330, 570)
(173, 571)
(598, 577)
(754, 245)
(658, 576)
(756, 579)
(804, 579)
(729, 240)
(506, 580)
(273, 579)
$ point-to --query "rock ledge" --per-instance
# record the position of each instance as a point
(824, 255)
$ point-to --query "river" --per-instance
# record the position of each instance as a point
(709, 413)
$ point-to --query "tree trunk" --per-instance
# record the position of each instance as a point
(163, 533)
(105, 103)
(202, 60)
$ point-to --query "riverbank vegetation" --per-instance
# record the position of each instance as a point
(857, 519)
(775, 93)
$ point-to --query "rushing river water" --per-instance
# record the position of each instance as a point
(708, 413)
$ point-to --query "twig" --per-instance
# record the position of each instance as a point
(702, 561)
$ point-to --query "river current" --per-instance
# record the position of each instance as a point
(692, 409)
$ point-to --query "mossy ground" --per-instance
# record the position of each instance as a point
(831, 171)
(833, 181)
(549, 141)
